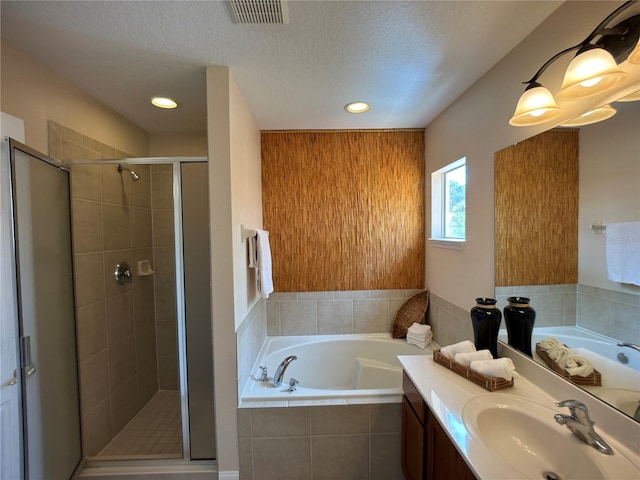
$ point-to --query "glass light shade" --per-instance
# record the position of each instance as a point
(593, 116)
(632, 97)
(590, 72)
(634, 56)
(536, 105)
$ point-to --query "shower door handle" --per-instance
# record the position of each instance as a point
(25, 356)
(13, 381)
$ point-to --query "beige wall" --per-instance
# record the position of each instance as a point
(476, 126)
(178, 144)
(609, 189)
(30, 91)
(235, 193)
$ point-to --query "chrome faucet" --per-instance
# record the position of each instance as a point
(277, 377)
(630, 345)
(581, 425)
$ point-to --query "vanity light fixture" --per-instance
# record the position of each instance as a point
(164, 102)
(593, 70)
(357, 107)
(593, 116)
(632, 97)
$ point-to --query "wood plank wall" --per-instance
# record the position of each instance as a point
(344, 209)
(536, 211)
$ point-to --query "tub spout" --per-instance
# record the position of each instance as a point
(279, 375)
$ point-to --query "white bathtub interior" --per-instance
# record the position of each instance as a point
(331, 369)
(620, 382)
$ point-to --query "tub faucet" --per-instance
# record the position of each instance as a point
(581, 425)
(630, 345)
(279, 375)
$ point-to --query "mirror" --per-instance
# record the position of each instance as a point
(589, 313)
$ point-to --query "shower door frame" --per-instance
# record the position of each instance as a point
(175, 162)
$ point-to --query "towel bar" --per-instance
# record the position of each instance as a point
(246, 233)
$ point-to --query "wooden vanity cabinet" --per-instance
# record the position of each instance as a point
(427, 453)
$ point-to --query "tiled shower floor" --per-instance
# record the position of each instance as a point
(154, 431)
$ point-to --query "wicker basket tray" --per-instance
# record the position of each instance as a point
(412, 311)
(488, 383)
(593, 379)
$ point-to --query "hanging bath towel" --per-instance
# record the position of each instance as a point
(264, 281)
(623, 252)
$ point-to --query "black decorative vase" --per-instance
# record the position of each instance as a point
(519, 318)
(485, 318)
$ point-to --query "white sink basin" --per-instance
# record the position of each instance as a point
(524, 435)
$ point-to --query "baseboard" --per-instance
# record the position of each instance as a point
(229, 475)
(157, 470)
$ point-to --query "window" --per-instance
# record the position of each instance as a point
(448, 202)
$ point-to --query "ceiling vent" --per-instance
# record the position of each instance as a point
(255, 12)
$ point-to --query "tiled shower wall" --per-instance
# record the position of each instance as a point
(112, 219)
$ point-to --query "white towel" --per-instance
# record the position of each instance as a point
(623, 252)
(422, 342)
(414, 336)
(548, 344)
(499, 367)
(559, 355)
(466, 358)
(419, 333)
(461, 347)
(264, 280)
(578, 365)
(419, 328)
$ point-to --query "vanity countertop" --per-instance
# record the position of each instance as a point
(446, 394)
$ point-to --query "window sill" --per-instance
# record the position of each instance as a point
(449, 243)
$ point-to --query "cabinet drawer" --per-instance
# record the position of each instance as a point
(414, 398)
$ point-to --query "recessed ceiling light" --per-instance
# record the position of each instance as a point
(357, 107)
(163, 102)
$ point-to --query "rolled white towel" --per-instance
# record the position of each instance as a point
(461, 347)
(578, 365)
(499, 367)
(419, 328)
(466, 358)
(560, 354)
(549, 343)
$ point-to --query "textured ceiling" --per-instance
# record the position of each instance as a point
(410, 60)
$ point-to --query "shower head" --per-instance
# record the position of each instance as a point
(133, 174)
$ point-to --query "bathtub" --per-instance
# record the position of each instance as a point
(620, 382)
(331, 370)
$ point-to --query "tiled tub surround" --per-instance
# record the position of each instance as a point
(331, 313)
(356, 442)
(611, 313)
(608, 312)
(338, 441)
(555, 305)
(449, 323)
